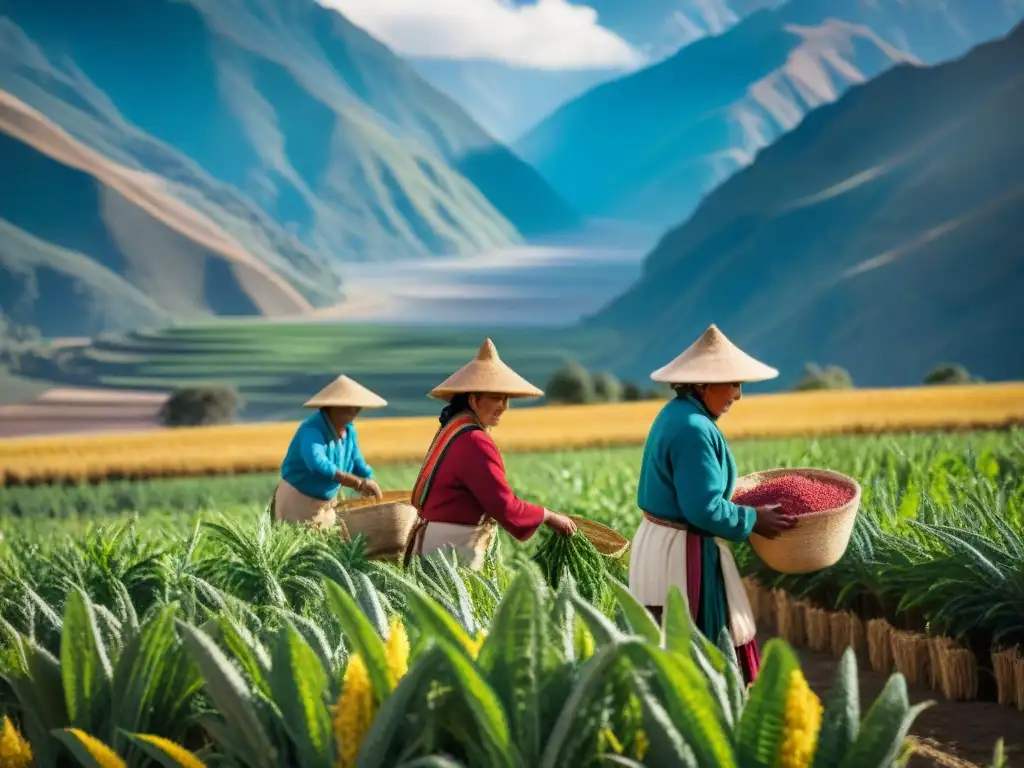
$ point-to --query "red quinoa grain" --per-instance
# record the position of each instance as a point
(798, 494)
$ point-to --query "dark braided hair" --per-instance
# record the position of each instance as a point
(458, 404)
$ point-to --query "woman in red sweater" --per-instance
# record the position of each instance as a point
(461, 492)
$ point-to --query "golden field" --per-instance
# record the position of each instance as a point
(260, 447)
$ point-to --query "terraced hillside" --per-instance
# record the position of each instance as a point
(276, 366)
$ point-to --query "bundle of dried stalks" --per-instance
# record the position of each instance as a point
(839, 633)
(935, 646)
(879, 642)
(910, 655)
(858, 634)
(959, 673)
(789, 618)
(1003, 663)
(1018, 679)
(818, 628)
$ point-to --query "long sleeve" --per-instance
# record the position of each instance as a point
(700, 486)
(359, 466)
(483, 472)
(314, 453)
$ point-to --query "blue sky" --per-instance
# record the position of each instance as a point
(546, 34)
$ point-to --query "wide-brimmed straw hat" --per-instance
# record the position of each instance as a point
(485, 373)
(344, 392)
(713, 359)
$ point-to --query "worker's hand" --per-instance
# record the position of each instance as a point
(369, 488)
(559, 523)
(772, 521)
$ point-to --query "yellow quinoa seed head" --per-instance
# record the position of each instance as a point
(802, 722)
(353, 713)
(641, 745)
(15, 751)
(397, 650)
(104, 756)
(178, 753)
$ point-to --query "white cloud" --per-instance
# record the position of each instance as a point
(550, 34)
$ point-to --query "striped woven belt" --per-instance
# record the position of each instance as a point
(677, 526)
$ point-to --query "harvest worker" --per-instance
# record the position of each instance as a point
(324, 455)
(461, 492)
(687, 477)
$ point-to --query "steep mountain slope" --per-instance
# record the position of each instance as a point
(882, 234)
(509, 100)
(311, 119)
(668, 134)
(119, 249)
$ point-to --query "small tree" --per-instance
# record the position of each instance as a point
(631, 392)
(197, 406)
(950, 373)
(572, 383)
(607, 387)
(829, 377)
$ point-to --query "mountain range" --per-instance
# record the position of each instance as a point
(668, 134)
(290, 133)
(834, 178)
(509, 100)
(882, 234)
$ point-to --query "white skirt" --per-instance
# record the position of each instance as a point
(469, 541)
(657, 561)
(293, 506)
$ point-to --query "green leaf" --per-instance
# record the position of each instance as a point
(362, 638)
(483, 706)
(298, 681)
(677, 623)
(603, 630)
(369, 601)
(245, 650)
(667, 747)
(84, 664)
(840, 720)
(232, 698)
(639, 618)
(885, 727)
(760, 729)
(433, 620)
(155, 680)
(690, 703)
(512, 659)
(591, 680)
(390, 719)
(40, 694)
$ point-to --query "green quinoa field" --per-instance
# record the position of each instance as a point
(105, 586)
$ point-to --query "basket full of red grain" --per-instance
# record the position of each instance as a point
(825, 505)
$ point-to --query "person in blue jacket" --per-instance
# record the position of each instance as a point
(687, 478)
(324, 456)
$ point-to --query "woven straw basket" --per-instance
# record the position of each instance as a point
(607, 541)
(385, 522)
(819, 539)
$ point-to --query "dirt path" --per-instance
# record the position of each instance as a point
(948, 734)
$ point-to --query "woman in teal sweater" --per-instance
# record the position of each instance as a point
(324, 455)
(687, 478)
